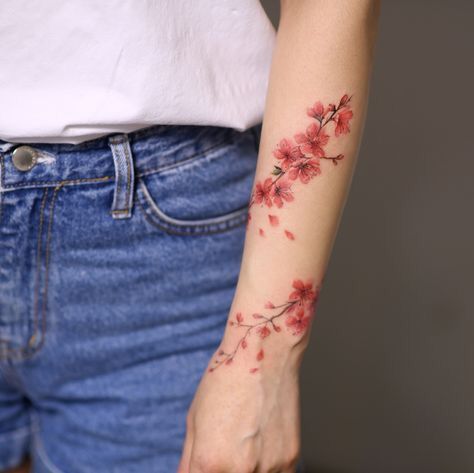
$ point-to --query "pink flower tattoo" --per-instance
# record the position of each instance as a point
(281, 192)
(312, 142)
(299, 160)
(342, 122)
(263, 192)
(295, 313)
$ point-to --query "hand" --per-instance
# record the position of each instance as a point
(241, 422)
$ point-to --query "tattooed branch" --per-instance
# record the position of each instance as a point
(300, 159)
(294, 315)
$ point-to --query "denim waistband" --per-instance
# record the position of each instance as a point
(152, 149)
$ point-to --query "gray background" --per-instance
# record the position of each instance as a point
(387, 383)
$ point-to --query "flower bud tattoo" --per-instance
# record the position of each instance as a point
(299, 160)
(294, 315)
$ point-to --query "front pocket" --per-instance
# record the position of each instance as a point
(209, 194)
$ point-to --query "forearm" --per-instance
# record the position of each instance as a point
(313, 121)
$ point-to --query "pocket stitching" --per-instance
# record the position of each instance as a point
(158, 218)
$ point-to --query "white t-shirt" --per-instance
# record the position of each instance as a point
(73, 70)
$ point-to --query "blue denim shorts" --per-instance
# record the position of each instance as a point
(119, 259)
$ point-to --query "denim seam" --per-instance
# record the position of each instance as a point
(1, 205)
(51, 183)
(21, 350)
(28, 351)
(2, 172)
(57, 183)
(44, 305)
(120, 211)
(44, 457)
(160, 214)
(38, 266)
(1, 187)
(164, 167)
(186, 229)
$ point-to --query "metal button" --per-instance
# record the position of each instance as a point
(24, 158)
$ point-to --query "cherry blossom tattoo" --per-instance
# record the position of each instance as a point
(300, 160)
(294, 315)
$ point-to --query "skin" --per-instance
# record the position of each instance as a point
(241, 419)
(246, 420)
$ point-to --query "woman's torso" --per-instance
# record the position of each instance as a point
(73, 71)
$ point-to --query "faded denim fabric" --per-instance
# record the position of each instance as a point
(119, 259)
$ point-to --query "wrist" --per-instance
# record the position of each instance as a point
(267, 334)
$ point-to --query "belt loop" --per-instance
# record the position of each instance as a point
(124, 176)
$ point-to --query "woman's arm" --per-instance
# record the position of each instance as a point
(245, 412)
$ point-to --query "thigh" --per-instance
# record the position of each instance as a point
(135, 308)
